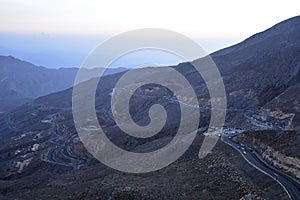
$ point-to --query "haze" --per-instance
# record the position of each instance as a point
(57, 33)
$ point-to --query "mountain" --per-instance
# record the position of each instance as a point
(255, 72)
(21, 81)
(41, 153)
(263, 68)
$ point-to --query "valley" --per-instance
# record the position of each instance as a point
(256, 156)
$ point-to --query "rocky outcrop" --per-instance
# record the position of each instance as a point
(277, 148)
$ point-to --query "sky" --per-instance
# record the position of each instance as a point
(61, 33)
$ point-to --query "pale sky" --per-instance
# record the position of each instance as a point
(214, 24)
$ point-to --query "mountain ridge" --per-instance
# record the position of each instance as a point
(22, 81)
(39, 139)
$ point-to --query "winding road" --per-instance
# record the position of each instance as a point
(62, 153)
(290, 184)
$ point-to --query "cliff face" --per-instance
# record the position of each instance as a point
(281, 161)
(278, 148)
(261, 75)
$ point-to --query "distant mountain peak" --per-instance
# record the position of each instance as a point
(21, 80)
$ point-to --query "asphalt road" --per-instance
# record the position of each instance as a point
(290, 184)
(62, 147)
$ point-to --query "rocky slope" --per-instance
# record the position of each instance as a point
(41, 161)
(22, 81)
(279, 148)
(42, 155)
